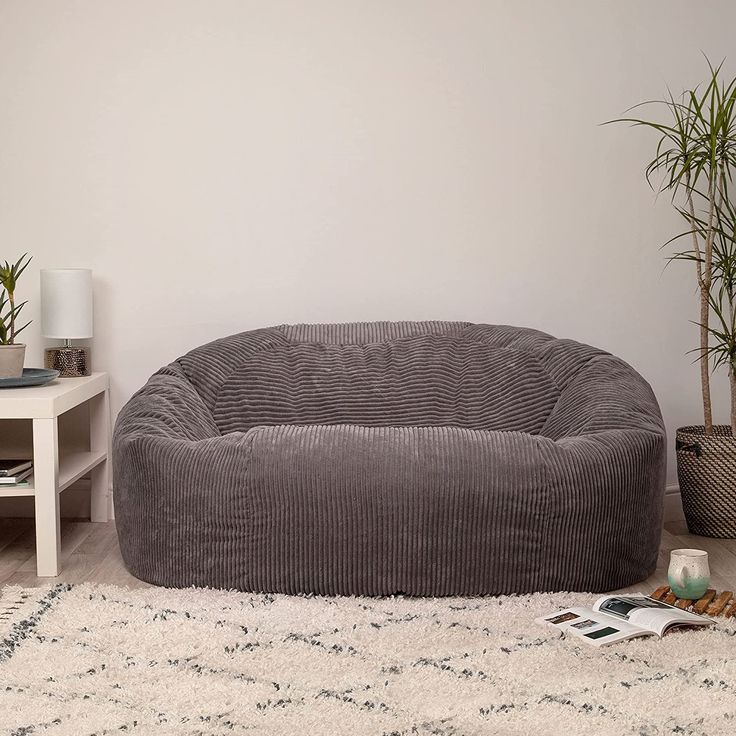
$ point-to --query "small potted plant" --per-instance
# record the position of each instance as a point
(12, 354)
(696, 160)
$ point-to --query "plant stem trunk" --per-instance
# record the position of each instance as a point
(705, 286)
(732, 380)
(705, 363)
(704, 267)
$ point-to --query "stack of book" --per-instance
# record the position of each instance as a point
(15, 472)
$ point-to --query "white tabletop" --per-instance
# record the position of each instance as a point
(51, 399)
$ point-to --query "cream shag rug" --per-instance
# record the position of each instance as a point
(99, 660)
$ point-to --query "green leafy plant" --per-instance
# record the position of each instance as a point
(9, 309)
(694, 162)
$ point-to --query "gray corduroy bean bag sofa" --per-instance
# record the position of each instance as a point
(426, 458)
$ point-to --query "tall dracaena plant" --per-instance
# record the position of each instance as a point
(9, 309)
(694, 161)
(722, 295)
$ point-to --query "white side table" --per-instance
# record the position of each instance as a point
(54, 472)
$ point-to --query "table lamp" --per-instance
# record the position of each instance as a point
(66, 314)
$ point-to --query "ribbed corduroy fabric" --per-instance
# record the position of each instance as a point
(417, 381)
(427, 458)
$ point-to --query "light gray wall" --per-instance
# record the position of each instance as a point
(224, 165)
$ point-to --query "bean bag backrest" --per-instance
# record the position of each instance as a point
(427, 380)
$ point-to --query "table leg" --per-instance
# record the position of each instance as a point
(99, 440)
(46, 480)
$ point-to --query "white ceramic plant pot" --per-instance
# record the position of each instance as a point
(11, 360)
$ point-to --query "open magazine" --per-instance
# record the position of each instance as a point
(619, 617)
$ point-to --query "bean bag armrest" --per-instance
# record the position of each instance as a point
(176, 480)
(607, 394)
(167, 406)
(606, 495)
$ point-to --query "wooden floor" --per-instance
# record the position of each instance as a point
(90, 553)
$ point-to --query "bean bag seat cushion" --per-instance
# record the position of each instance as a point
(425, 458)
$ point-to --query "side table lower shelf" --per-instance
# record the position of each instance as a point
(72, 467)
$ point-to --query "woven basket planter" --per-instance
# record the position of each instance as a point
(706, 470)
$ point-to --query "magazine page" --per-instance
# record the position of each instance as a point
(648, 613)
(591, 626)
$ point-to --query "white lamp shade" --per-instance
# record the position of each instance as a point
(66, 303)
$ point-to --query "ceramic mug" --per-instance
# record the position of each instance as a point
(689, 574)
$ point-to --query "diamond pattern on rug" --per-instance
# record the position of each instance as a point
(99, 660)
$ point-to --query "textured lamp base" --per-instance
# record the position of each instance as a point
(70, 362)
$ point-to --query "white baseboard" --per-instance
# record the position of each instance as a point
(673, 504)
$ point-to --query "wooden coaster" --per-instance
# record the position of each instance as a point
(711, 604)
